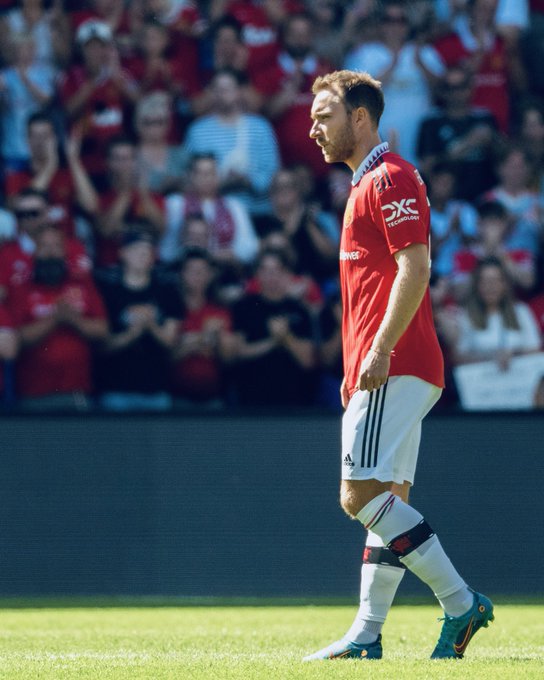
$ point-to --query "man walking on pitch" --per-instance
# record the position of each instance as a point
(393, 369)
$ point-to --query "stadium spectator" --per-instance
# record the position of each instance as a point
(154, 67)
(56, 171)
(494, 325)
(260, 25)
(533, 47)
(48, 29)
(330, 354)
(460, 134)
(133, 368)
(114, 13)
(312, 233)
(285, 85)
(454, 223)
(514, 192)
(407, 70)
(497, 239)
(231, 237)
(228, 52)
(16, 256)
(185, 24)
(96, 94)
(243, 143)
(204, 338)
(330, 36)
(160, 163)
(58, 318)
(275, 353)
(9, 347)
(495, 62)
(126, 198)
(25, 87)
(531, 139)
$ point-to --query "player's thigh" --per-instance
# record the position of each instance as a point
(381, 430)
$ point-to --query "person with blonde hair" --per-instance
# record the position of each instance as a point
(160, 163)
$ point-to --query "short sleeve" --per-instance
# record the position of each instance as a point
(400, 206)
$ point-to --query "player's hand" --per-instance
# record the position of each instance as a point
(374, 371)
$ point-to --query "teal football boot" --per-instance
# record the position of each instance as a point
(458, 631)
(343, 649)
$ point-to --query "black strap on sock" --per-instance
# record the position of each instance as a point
(405, 543)
(375, 555)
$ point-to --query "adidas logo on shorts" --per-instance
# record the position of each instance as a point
(348, 461)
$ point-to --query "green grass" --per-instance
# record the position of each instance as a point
(252, 642)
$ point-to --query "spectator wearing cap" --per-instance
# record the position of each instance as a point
(58, 318)
(25, 87)
(96, 93)
(114, 13)
(126, 198)
(133, 368)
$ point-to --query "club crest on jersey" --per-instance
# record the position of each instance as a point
(399, 211)
(348, 213)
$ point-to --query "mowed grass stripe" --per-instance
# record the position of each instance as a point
(250, 643)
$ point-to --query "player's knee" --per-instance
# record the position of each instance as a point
(350, 501)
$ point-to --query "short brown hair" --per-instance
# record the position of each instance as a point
(355, 89)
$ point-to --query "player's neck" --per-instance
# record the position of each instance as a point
(362, 151)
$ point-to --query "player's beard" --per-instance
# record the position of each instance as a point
(342, 148)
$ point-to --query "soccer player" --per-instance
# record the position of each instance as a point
(393, 369)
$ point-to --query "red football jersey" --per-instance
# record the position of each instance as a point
(61, 362)
(387, 211)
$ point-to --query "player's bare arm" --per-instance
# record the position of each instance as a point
(406, 295)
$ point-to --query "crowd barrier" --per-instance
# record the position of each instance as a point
(247, 505)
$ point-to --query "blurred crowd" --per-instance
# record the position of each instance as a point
(169, 233)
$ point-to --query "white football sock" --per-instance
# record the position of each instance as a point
(379, 583)
(389, 517)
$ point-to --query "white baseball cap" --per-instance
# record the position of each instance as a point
(92, 29)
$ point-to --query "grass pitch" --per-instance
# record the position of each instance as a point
(252, 642)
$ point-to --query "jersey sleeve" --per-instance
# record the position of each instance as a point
(401, 207)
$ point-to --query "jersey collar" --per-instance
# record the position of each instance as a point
(369, 161)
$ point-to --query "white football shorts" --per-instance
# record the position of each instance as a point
(381, 430)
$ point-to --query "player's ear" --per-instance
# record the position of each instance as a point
(360, 115)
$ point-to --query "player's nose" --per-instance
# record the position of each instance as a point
(314, 129)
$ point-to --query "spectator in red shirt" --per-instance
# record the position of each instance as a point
(260, 24)
(97, 93)
(286, 86)
(495, 241)
(126, 198)
(32, 212)
(58, 319)
(155, 65)
(59, 172)
(204, 335)
(495, 63)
